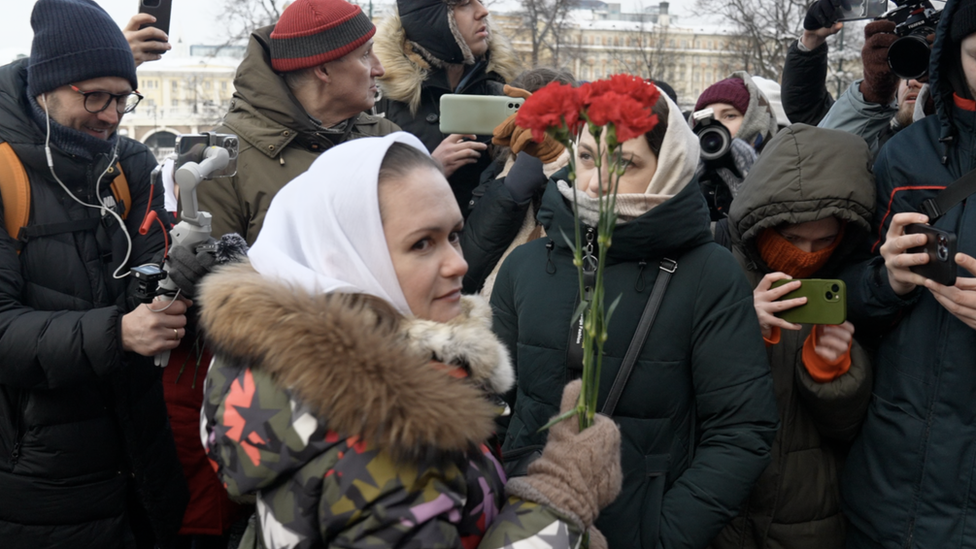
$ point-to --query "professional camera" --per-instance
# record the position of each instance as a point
(713, 137)
(908, 56)
(715, 142)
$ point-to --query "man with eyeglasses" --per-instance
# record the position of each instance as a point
(86, 453)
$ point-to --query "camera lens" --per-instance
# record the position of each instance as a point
(908, 57)
(829, 296)
(714, 142)
(835, 288)
(943, 252)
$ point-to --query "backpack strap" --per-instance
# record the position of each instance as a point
(120, 190)
(15, 190)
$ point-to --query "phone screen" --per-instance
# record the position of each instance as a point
(863, 9)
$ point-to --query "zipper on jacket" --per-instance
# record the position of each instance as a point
(19, 428)
(590, 262)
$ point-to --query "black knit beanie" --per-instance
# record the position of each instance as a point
(963, 22)
(74, 41)
(428, 24)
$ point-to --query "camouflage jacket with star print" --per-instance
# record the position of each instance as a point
(358, 429)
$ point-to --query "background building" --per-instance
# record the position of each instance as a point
(187, 91)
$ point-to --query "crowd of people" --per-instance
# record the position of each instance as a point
(391, 361)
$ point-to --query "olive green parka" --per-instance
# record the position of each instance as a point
(278, 141)
(804, 174)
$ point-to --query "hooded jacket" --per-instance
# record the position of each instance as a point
(279, 140)
(906, 483)
(86, 453)
(805, 174)
(697, 415)
(354, 426)
(414, 83)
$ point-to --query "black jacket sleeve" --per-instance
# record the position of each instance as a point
(492, 225)
(804, 91)
(48, 349)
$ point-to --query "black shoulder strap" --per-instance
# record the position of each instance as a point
(950, 197)
(668, 267)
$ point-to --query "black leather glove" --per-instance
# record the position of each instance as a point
(186, 268)
(824, 13)
(525, 177)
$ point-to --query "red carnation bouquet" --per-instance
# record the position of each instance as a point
(613, 111)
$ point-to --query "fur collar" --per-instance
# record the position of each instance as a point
(360, 369)
(406, 69)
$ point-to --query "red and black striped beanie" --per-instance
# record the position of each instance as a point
(311, 32)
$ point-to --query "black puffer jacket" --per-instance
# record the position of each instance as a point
(86, 454)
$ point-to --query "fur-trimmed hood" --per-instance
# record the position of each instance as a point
(357, 366)
(407, 69)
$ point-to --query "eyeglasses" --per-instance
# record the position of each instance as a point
(98, 101)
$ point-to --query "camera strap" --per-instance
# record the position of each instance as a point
(950, 197)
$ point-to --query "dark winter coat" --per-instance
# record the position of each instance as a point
(907, 482)
(804, 91)
(279, 141)
(332, 413)
(412, 88)
(804, 174)
(86, 453)
(698, 413)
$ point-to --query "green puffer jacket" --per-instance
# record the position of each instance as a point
(804, 174)
(698, 414)
(336, 416)
(279, 141)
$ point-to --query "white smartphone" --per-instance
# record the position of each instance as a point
(475, 114)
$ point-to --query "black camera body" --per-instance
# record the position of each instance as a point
(713, 137)
(715, 142)
(908, 57)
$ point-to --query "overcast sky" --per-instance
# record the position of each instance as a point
(193, 20)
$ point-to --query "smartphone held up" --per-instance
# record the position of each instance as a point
(826, 301)
(161, 10)
(940, 246)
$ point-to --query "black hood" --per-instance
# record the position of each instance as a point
(428, 23)
(946, 76)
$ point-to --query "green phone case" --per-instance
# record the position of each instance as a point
(826, 301)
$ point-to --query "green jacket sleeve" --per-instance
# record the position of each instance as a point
(735, 404)
(219, 197)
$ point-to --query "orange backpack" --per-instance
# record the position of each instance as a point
(16, 193)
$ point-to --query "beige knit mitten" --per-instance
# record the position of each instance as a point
(578, 473)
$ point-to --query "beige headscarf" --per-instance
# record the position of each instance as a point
(675, 168)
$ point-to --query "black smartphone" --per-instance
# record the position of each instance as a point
(160, 9)
(941, 249)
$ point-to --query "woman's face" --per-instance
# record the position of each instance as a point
(422, 224)
(729, 116)
(641, 163)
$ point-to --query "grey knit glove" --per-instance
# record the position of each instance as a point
(579, 472)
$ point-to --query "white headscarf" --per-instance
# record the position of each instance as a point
(323, 231)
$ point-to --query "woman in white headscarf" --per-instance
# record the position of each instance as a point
(352, 389)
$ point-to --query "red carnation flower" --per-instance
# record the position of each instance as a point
(630, 118)
(553, 107)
